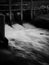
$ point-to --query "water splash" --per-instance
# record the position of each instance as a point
(27, 39)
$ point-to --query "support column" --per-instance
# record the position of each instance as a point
(31, 9)
(2, 25)
(10, 12)
(21, 10)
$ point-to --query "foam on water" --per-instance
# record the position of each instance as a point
(30, 38)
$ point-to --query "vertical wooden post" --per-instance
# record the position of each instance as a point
(31, 9)
(21, 10)
(2, 25)
(10, 12)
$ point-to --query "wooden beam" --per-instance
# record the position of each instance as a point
(21, 10)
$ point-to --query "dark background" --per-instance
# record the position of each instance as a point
(39, 18)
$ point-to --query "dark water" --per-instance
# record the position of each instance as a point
(41, 23)
(33, 58)
(13, 56)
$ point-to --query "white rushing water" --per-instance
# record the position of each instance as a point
(30, 38)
